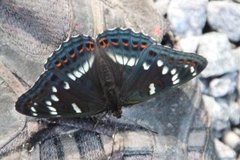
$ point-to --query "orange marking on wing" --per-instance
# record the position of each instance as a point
(72, 55)
(125, 44)
(134, 45)
(65, 60)
(114, 42)
(58, 64)
(143, 45)
(103, 42)
(186, 62)
(90, 46)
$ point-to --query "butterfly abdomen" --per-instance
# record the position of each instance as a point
(111, 91)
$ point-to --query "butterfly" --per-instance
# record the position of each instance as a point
(85, 76)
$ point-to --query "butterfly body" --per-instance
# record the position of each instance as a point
(86, 76)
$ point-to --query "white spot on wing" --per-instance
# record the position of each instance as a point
(159, 63)
(136, 61)
(33, 109)
(51, 108)
(192, 69)
(34, 114)
(54, 89)
(125, 60)
(146, 66)
(119, 59)
(35, 104)
(53, 113)
(81, 70)
(111, 56)
(151, 89)
(85, 67)
(165, 70)
(131, 62)
(175, 77)
(48, 103)
(173, 71)
(66, 85)
(185, 66)
(77, 74)
(194, 74)
(76, 108)
(54, 98)
(176, 81)
(91, 61)
(70, 75)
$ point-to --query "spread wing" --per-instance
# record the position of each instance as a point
(69, 86)
(143, 68)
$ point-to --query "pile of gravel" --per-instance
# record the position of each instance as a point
(212, 29)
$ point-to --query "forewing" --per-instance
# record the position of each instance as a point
(160, 68)
(69, 86)
(122, 50)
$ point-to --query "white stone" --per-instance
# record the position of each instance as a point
(187, 17)
(223, 16)
(218, 113)
(216, 48)
(231, 139)
(224, 151)
(189, 44)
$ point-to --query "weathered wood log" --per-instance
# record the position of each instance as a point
(173, 125)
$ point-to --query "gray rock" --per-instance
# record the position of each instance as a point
(187, 17)
(237, 131)
(224, 151)
(217, 49)
(224, 85)
(238, 1)
(189, 44)
(218, 113)
(234, 113)
(236, 54)
(232, 140)
(223, 16)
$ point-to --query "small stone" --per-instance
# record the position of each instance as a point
(236, 54)
(219, 87)
(218, 114)
(224, 151)
(237, 131)
(238, 1)
(187, 17)
(232, 140)
(189, 44)
(223, 16)
(234, 113)
(217, 49)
